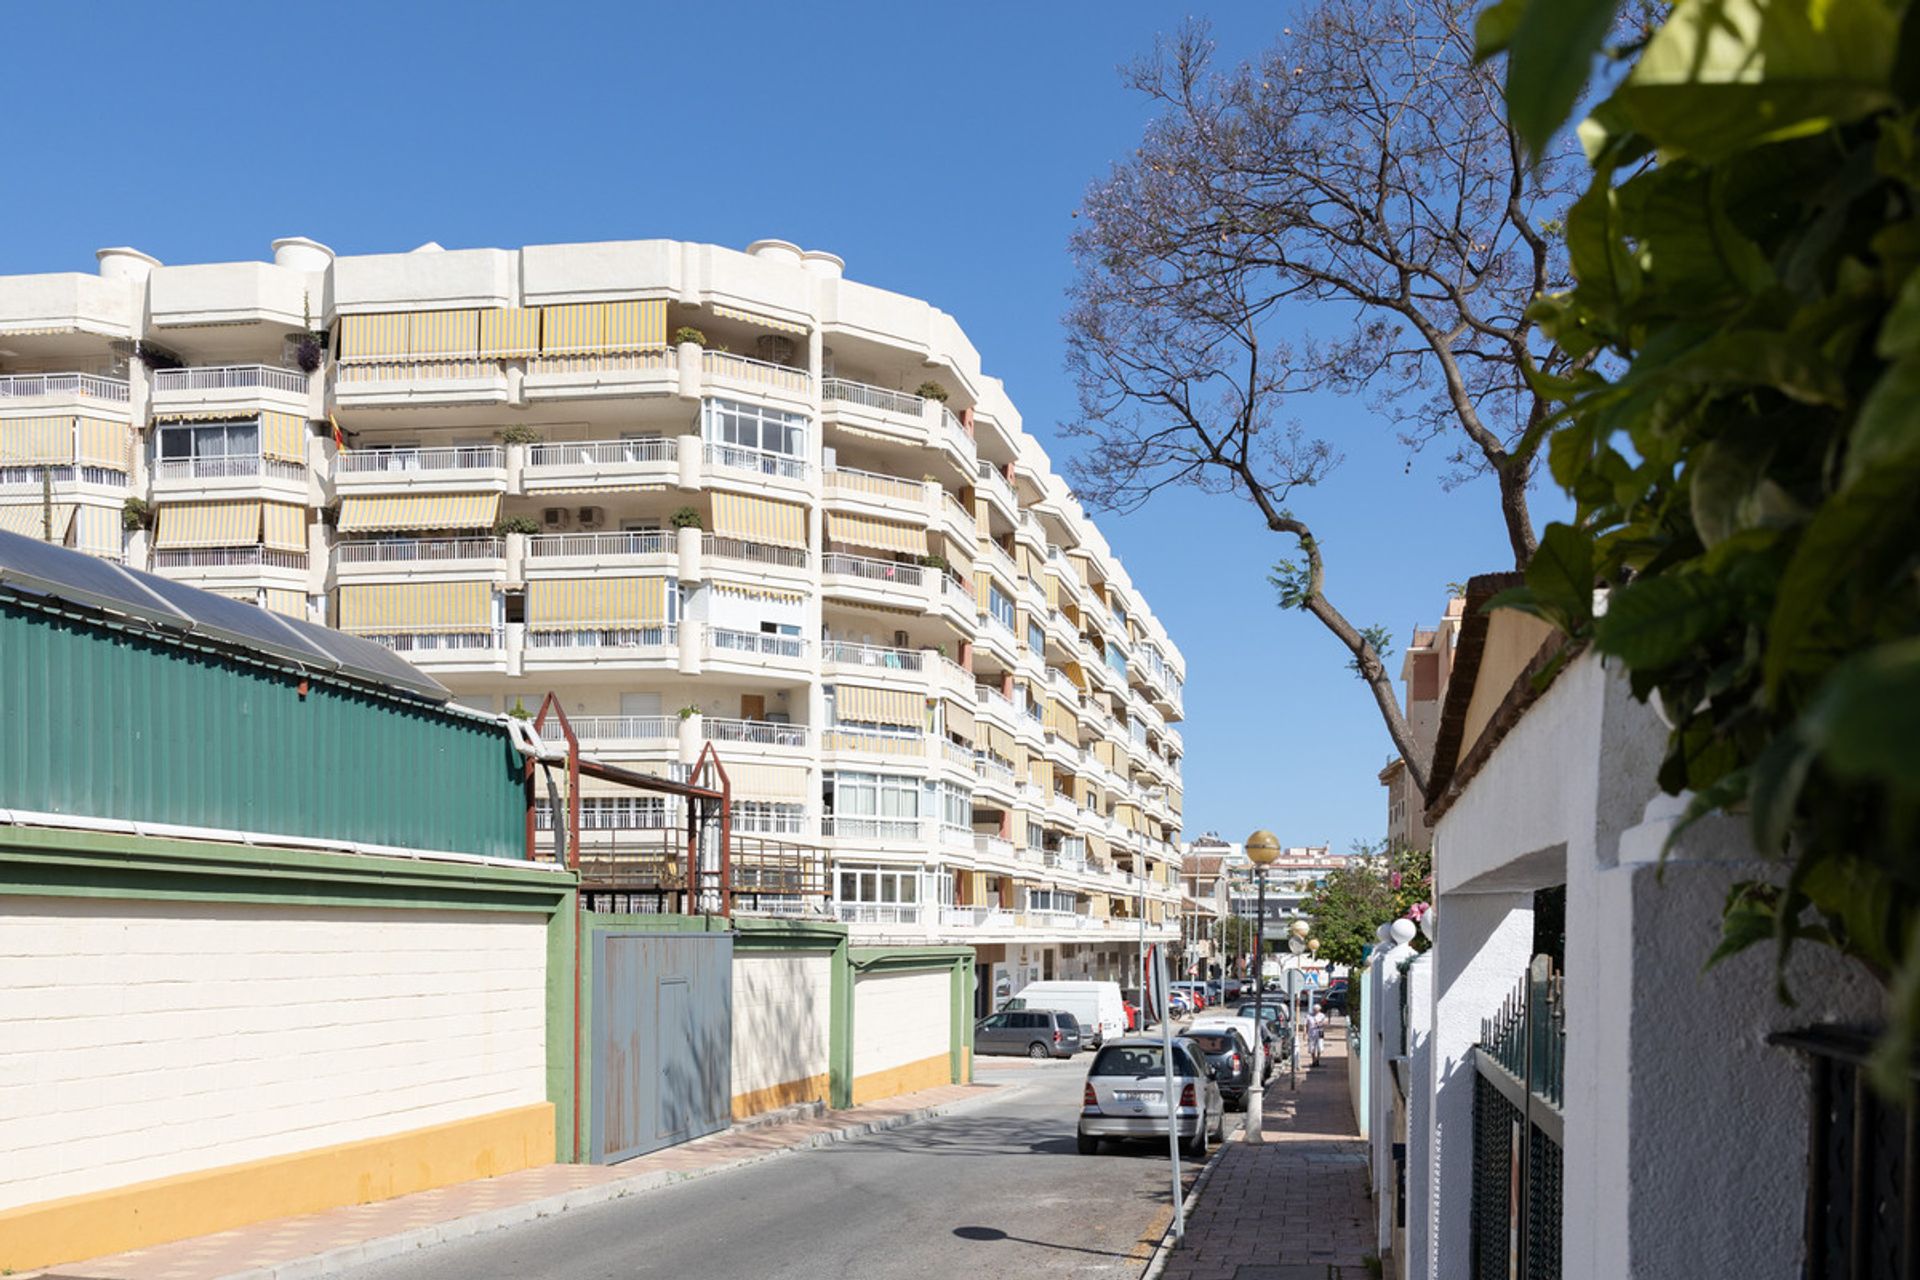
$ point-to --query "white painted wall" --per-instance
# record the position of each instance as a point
(900, 1018)
(782, 1017)
(142, 1040)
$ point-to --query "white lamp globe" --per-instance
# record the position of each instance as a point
(1403, 931)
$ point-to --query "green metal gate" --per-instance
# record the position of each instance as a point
(1519, 1132)
(662, 1041)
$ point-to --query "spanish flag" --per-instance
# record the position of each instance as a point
(339, 436)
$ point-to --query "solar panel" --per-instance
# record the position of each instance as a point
(39, 568)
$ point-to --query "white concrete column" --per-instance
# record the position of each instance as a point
(516, 649)
(517, 470)
(689, 454)
(692, 738)
(689, 548)
(688, 356)
(693, 641)
(516, 557)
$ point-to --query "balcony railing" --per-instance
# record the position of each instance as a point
(722, 364)
(758, 461)
(637, 542)
(957, 434)
(615, 637)
(602, 453)
(992, 770)
(898, 742)
(437, 641)
(974, 917)
(227, 467)
(34, 477)
(729, 548)
(230, 377)
(91, 385)
(420, 550)
(871, 484)
(891, 572)
(990, 479)
(993, 847)
(758, 643)
(657, 360)
(228, 557)
(616, 729)
(759, 733)
(957, 510)
(877, 912)
(871, 397)
(849, 826)
(958, 593)
(477, 457)
(846, 653)
(955, 754)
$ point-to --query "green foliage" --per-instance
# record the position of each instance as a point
(1234, 936)
(135, 514)
(687, 333)
(685, 518)
(520, 433)
(1743, 440)
(1349, 907)
(1380, 640)
(516, 524)
(931, 390)
(519, 710)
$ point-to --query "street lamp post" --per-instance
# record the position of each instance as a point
(1262, 848)
(1297, 944)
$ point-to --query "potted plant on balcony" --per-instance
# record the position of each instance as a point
(135, 514)
(687, 333)
(934, 562)
(931, 390)
(685, 518)
(520, 433)
(519, 710)
(689, 711)
(515, 524)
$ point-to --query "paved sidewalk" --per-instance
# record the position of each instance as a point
(321, 1243)
(1295, 1208)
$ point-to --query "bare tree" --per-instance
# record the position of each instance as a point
(1349, 214)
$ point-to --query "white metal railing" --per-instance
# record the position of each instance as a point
(995, 552)
(724, 364)
(53, 384)
(227, 466)
(658, 636)
(992, 696)
(230, 377)
(871, 397)
(991, 769)
(762, 462)
(957, 433)
(769, 820)
(635, 542)
(417, 550)
(872, 484)
(958, 512)
(35, 476)
(602, 453)
(760, 733)
(990, 479)
(877, 912)
(730, 548)
(888, 571)
(1049, 919)
(851, 826)
(224, 557)
(993, 847)
(436, 641)
(958, 592)
(975, 917)
(616, 729)
(847, 653)
(955, 754)
(952, 671)
(463, 457)
(759, 643)
(655, 360)
(898, 742)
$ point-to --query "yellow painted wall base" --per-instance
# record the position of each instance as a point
(781, 1095)
(924, 1074)
(195, 1204)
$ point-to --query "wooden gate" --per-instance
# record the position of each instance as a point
(662, 1041)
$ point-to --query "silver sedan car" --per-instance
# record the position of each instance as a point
(1126, 1095)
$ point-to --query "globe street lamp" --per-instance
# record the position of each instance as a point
(1262, 848)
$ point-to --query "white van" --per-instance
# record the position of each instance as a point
(1095, 1006)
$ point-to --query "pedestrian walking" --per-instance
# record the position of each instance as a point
(1316, 1031)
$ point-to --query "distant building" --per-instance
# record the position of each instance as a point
(1424, 672)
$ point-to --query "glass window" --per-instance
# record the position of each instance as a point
(1036, 637)
(750, 426)
(1000, 606)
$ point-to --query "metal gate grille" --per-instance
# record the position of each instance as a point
(1518, 1133)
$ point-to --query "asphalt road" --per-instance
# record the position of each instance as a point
(997, 1191)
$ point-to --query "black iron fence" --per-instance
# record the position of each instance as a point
(1863, 1207)
(1519, 1132)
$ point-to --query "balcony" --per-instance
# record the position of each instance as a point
(584, 376)
(582, 464)
(562, 551)
(955, 437)
(33, 477)
(993, 848)
(722, 643)
(876, 912)
(618, 730)
(846, 482)
(757, 462)
(228, 467)
(758, 375)
(975, 918)
(230, 377)
(657, 640)
(396, 383)
(841, 391)
(891, 583)
(454, 468)
(989, 481)
(64, 386)
(229, 558)
(883, 742)
(756, 733)
(767, 555)
(846, 653)
(461, 553)
(846, 826)
(443, 643)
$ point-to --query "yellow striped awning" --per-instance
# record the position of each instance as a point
(1059, 717)
(882, 535)
(29, 520)
(208, 524)
(777, 782)
(982, 588)
(377, 514)
(636, 326)
(982, 518)
(291, 603)
(998, 741)
(98, 529)
(586, 604)
(745, 592)
(1076, 673)
(735, 515)
(1050, 583)
(443, 333)
(31, 440)
(1040, 773)
(285, 526)
(723, 312)
(1103, 752)
(960, 720)
(575, 327)
(283, 436)
(857, 704)
(510, 331)
(417, 606)
(1097, 846)
(100, 443)
(375, 337)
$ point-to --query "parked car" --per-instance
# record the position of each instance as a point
(1126, 1096)
(1130, 996)
(1038, 1033)
(1194, 992)
(1272, 1046)
(1180, 1004)
(1272, 1012)
(1335, 997)
(1232, 1060)
(1096, 1005)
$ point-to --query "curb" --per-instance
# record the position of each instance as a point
(318, 1265)
(1164, 1250)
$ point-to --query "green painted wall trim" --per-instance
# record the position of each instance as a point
(840, 1030)
(878, 959)
(957, 961)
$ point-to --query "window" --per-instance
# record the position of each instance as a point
(613, 813)
(748, 426)
(1116, 659)
(999, 606)
(765, 817)
(879, 884)
(209, 440)
(874, 795)
(953, 804)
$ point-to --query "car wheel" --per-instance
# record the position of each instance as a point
(1089, 1146)
(1039, 1052)
(1196, 1146)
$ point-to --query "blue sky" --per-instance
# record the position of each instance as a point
(940, 152)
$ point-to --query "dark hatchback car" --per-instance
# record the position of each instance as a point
(1335, 997)
(1037, 1033)
(1232, 1062)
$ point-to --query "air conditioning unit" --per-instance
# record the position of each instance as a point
(554, 517)
(592, 517)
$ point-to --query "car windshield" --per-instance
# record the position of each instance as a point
(1216, 1042)
(1136, 1060)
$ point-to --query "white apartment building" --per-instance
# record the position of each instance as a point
(700, 495)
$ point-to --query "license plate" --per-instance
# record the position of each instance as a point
(1138, 1095)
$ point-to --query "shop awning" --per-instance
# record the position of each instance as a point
(858, 704)
(882, 535)
(208, 524)
(724, 312)
(735, 515)
(378, 514)
(417, 606)
(585, 604)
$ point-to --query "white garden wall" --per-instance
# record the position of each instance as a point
(782, 1024)
(901, 1023)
